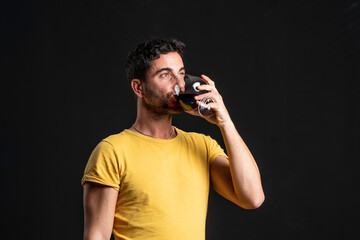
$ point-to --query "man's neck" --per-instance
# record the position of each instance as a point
(154, 125)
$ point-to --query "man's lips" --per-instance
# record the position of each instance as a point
(175, 102)
(175, 98)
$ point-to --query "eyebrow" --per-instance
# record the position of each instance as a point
(167, 69)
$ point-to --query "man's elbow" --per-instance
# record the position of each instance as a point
(253, 203)
(96, 235)
(256, 204)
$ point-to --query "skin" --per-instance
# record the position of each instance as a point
(237, 178)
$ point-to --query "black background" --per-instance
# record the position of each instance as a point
(288, 72)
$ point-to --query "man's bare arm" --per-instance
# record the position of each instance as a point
(99, 209)
(237, 179)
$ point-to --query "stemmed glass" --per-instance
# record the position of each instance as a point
(204, 109)
(187, 100)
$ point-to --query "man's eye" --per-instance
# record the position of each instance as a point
(166, 76)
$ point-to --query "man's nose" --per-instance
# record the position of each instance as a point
(180, 82)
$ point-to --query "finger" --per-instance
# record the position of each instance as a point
(216, 97)
(208, 80)
(212, 105)
(207, 87)
(204, 96)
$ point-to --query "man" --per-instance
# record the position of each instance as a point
(151, 181)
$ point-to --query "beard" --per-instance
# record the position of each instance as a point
(161, 104)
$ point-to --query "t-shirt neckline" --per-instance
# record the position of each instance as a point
(158, 140)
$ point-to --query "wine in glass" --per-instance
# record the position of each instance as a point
(187, 100)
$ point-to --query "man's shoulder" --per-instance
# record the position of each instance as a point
(118, 138)
(192, 135)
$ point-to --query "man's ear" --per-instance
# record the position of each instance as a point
(136, 85)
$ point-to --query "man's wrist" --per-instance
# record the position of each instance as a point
(226, 124)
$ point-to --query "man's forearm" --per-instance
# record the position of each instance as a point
(244, 170)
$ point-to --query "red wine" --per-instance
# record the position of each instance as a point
(186, 99)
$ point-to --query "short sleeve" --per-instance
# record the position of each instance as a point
(103, 166)
(214, 149)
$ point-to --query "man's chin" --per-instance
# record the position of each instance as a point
(175, 108)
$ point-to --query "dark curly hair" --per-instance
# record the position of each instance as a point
(141, 57)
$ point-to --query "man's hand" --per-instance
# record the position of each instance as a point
(221, 116)
(237, 178)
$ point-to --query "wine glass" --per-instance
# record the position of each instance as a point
(204, 109)
(187, 100)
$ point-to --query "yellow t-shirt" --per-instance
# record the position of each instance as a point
(163, 184)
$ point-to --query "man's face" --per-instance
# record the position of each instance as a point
(161, 78)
